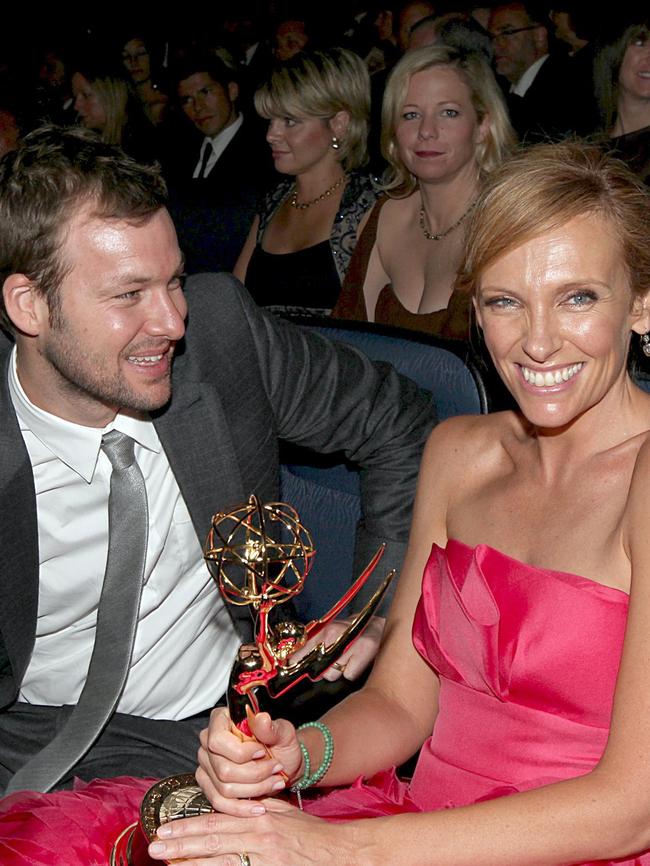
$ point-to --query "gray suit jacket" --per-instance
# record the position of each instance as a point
(242, 380)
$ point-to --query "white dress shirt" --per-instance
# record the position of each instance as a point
(528, 77)
(218, 143)
(185, 642)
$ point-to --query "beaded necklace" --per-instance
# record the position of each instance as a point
(303, 205)
(439, 237)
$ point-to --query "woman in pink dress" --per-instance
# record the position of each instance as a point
(506, 662)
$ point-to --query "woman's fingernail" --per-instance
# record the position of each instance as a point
(258, 810)
(278, 786)
(260, 754)
(157, 847)
(164, 830)
(277, 769)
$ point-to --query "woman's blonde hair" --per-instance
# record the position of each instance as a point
(544, 187)
(486, 99)
(320, 84)
(113, 93)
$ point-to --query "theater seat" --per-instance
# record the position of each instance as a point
(325, 491)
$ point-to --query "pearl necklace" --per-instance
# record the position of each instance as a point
(303, 205)
(439, 237)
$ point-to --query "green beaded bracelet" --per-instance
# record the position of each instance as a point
(308, 778)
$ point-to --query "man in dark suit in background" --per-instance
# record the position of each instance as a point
(219, 167)
(539, 80)
(92, 293)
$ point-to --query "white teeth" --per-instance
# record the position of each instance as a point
(556, 377)
(145, 359)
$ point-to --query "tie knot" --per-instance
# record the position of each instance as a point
(118, 447)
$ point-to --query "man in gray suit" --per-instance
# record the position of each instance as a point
(93, 296)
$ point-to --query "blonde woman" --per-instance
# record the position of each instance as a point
(445, 127)
(104, 102)
(300, 244)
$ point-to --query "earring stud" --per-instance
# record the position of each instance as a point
(645, 344)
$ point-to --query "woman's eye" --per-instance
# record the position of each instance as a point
(450, 112)
(500, 303)
(290, 121)
(410, 115)
(582, 299)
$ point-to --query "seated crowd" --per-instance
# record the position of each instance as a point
(226, 110)
(473, 173)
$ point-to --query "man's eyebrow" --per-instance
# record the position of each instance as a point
(132, 278)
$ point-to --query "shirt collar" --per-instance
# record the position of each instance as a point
(73, 444)
(226, 135)
(528, 77)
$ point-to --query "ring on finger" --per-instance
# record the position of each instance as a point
(244, 859)
(339, 667)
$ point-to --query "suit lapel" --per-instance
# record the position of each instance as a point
(18, 538)
(198, 444)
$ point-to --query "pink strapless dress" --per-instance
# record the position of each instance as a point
(527, 660)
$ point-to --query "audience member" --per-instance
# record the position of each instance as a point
(145, 71)
(538, 103)
(375, 41)
(290, 37)
(104, 103)
(299, 246)
(445, 127)
(456, 30)
(577, 27)
(622, 77)
(408, 15)
(53, 101)
(92, 294)
(218, 167)
(246, 34)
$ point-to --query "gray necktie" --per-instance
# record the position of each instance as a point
(117, 618)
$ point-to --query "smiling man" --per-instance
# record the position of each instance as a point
(198, 385)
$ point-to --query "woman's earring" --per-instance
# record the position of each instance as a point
(335, 143)
(645, 344)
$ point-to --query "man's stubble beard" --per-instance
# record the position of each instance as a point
(90, 381)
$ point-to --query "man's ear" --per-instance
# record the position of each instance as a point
(25, 305)
(233, 91)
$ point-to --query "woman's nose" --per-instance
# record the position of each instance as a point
(428, 128)
(542, 336)
(272, 131)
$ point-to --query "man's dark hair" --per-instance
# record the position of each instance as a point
(204, 61)
(53, 172)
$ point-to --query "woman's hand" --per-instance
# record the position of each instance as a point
(357, 657)
(231, 771)
(283, 836)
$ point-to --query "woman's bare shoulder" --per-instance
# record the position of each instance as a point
(396, 211)
(461, 432)
(467, 446)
